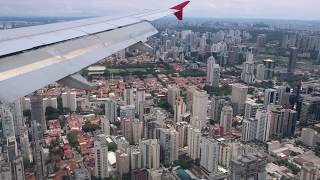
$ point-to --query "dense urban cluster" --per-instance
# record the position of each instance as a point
(211, 100)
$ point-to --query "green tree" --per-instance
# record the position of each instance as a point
(112, 147)
(72, 138)
(52, 113)
(89, 127)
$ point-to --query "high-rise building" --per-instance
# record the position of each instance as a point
(105, 125)
(270, 97)
(263, 126)
(69, 100)
(225, 154)
(194, 136)
(283, 95)
(260, 72)
(179, 110)
(213, 72)
(5, 170)
(7, 122)
(25, 144)
(226, 118)
(318, 58)
(123, 163)
(309, 171)
(101, 156)
(247, 74)
(173, 94)
(217, 103)
(269, 69)
(261, 41)
(238, 98)
(282, 121)
(249, 129)
(309, 137)
(289, 122)
(18, 168)
(16, 109)
(50, 102)
(182, 129)
(111, 107)
(284, 43)
(209, 154)
(248, 166)
(310, 110)
(140, 98)
(128, 95)
(200, 107)
(189, 100)
(127, 112)
(126, 127)
(137, 130)
(169, 146)
(135, 158)
(150, 153)
(37, 112)
(292, 60)
(251, 108)
(38, 154)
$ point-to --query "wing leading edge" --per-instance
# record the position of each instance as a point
(33, 57)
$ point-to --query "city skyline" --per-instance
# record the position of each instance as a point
(247, 9)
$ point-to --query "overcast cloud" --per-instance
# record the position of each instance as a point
(269, 9)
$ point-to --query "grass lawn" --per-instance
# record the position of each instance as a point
(126, 70)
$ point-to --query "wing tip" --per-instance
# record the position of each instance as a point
(179, 8)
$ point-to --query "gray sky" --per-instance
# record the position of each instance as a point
(268, 9)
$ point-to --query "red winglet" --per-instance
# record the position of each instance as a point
(179, 7)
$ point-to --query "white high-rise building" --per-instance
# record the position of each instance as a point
(263, 126)
(179, 110)
(7, 122)
(111, 110)
(26, 103)
(182, 129)
(194, 136)
(140, 98)
(150, 153)
(249, 129)
(200, 107)
(122, 162)
(169, 145)
(50, 102)
(137, 130)
(310, 171)
(247, 74)
(101, 157)
(238, 98)
(251, 108)
(18, 169)
(226, 118)
(173, 94)
(17, 113)
(105, 125)
(213, 72)
(128, 96)
(69, 100)
(225, 154)
(135, 158)
(209, 154)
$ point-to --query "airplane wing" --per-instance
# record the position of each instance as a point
(33, 57)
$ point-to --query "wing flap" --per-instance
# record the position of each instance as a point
(52, 63)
